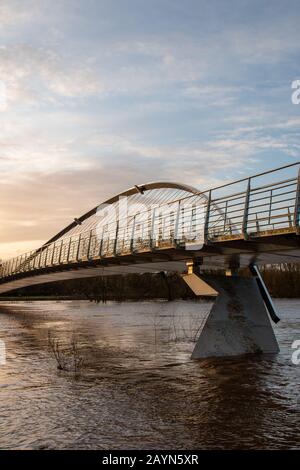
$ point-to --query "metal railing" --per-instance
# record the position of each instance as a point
(253, 211)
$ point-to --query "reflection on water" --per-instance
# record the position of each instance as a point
(138, 387)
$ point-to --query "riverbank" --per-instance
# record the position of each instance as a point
(282, 281)
(40, 298)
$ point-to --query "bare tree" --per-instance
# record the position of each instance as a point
(77, 358)
(156, 323)
(179, 331)
(68, 358)
(57, 351)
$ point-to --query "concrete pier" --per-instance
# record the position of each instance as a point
(238, 322)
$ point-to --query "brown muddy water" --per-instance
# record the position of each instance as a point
(137, 387)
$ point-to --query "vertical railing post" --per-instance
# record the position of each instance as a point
(24, 264)
(22, 257)
(297, 206)
(53, 253)
(35, 260)
(13, 266)
(257, 223)
(290, 218)
(176, 227)
(29, 258)
(9, 267)
(270, 205)
(116, 239)
(149, 222)
(163, 228)
(69, 250)
(89, 245)
(46, 256)
(40, 259)
(152, 229)
(78, 248)
(132, 235)
(5, 269)
(206, 222)
(60, 252)
(246, 211)
(101, 243)
(225, 216)
(19, 263)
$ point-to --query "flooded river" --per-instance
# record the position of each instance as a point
(136, 386)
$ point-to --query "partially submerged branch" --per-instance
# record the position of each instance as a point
(68, 358)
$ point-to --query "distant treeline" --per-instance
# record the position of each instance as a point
(282, 281)
(129, 287)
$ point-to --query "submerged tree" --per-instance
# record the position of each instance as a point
(68, 358)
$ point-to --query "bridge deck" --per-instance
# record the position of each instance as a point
(220, 227)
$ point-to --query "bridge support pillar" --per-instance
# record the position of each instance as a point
(238, 322)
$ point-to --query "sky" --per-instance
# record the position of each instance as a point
(99, 95)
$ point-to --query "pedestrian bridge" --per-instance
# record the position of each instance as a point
(165, 226)
(161, 226)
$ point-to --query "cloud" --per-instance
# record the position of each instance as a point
(36, 203)
(12, 249)
(13, 12)
(36, 75)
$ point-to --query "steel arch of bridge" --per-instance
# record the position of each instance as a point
(157, 215)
